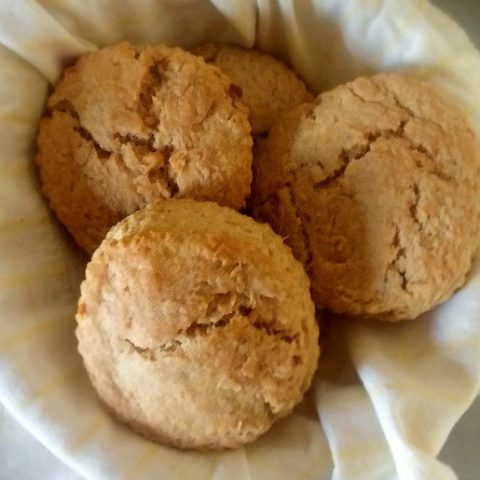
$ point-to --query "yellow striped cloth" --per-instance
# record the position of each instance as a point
(385, 398)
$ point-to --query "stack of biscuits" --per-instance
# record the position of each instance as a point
(198, 325)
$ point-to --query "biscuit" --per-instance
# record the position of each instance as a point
(130, 124)
(196, 326)
(375, 188)
(270, 89)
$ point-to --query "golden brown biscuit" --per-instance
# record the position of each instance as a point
(196, 325)
(375, 187)
(270, 89)
(129, 124)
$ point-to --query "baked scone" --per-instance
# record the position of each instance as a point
(375, 188)
(269, 87)
(196, 326)
(129, 124)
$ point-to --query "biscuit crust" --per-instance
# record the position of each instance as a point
(270, 89)
(196, 326)
(376, 191)
(130, 124)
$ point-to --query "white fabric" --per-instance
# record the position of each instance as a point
(386, 395)
(22, 457)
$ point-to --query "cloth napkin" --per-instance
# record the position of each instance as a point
(385, 397)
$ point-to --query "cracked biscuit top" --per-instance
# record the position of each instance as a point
(129, 124)
(196, 325)
(376, 191)
(270, 89)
